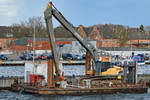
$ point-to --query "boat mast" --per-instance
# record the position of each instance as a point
(34, 67)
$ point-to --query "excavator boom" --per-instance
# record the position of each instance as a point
(52, 11)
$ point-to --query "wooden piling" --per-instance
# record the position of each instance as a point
(50, 74)
(88, 63)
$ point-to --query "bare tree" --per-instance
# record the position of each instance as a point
(26, 28)
(122, 36)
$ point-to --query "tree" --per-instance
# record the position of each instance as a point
(142, 28)
(36, 22)
(16, 30)
(122, 36)
(9, 43)
(26, 28)
(61, 32)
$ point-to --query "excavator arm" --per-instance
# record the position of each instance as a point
(49, 24)
(52, 11)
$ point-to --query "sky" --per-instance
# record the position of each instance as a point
(132, 13)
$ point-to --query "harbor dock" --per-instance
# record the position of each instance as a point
(6, 82)
(12, 63)
(22, 63)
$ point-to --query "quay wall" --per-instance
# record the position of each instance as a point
(5, 83)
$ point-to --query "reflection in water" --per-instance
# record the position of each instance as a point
(7, 95)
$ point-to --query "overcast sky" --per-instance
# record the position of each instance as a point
(86, 12)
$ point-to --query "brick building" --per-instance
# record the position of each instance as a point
(6, 43)
(25, 44)
(104, 35)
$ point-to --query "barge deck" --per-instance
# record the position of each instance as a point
(80, 90)
(85, 91)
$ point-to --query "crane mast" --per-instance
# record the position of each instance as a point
(52, 11)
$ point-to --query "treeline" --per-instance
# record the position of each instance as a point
(27, 28)
(37, 25)
(3, 31)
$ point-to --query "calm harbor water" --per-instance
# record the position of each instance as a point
(68, 70)
(7, 95)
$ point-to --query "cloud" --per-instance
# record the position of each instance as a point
(8, 8)
(6, 1)
(8, 11)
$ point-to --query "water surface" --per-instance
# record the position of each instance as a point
(7, 95)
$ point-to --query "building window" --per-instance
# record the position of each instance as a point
(4, 41)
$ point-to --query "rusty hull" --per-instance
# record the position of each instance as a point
(97, 87)
(77, 91)
(126, 88)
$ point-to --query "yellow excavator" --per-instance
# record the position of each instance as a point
(95, 54)
(112, 71)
